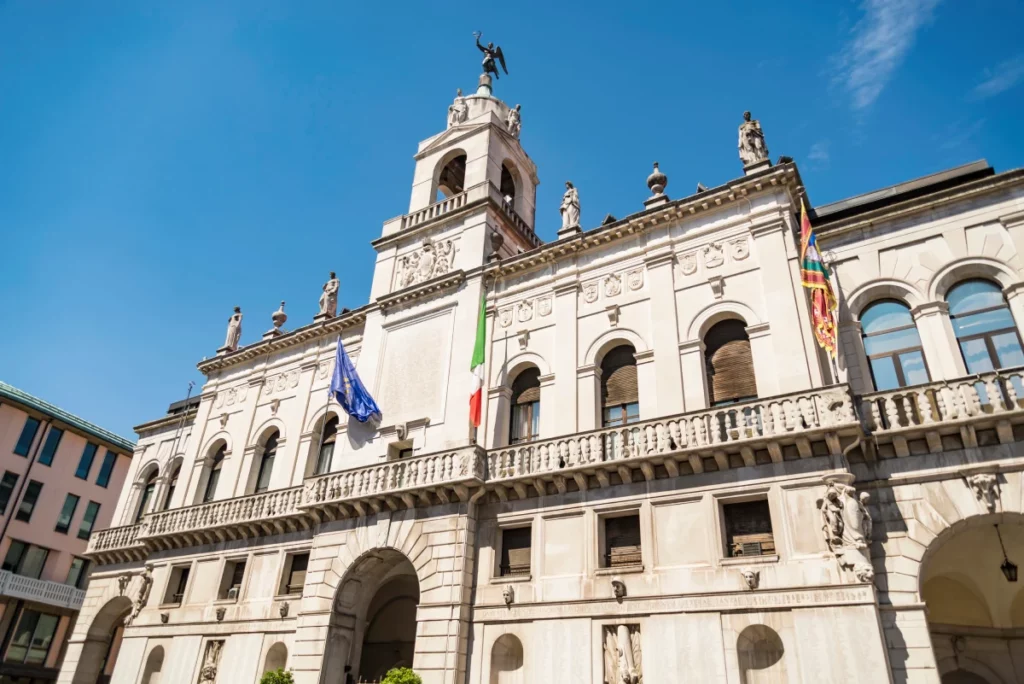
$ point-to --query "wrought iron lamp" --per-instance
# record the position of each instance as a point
(1008, 567)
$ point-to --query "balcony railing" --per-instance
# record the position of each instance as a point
(116, 544)
(40, 591)
(470, 195)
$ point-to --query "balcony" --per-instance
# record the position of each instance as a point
(40, 591)
(117, 544)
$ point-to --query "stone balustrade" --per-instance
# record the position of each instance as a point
(257, 514)
(947, 414)
(40, 591)
(765, 424)
(116, 544)
(445, 206)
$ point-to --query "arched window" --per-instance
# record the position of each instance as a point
(277, 658)
(154, 666)
(171, 486)
(213, 477)
(893, 346)
(760, 653)
(452, 180)
(984, 326)
(728, 362)
(267, 463)
(508, 185)
(507, 660)
(620, 398)
(525, 425)
(323, 458)
(147, 495)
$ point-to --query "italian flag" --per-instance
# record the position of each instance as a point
(476, 394)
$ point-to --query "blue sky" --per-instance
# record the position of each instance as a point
(163, 162)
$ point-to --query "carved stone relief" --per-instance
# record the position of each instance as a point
(635, 279)
(714, 255)
(429, 261)
(623, 659)
(986, 489)
(847, 525)
(230, 397)
(281, 382)
(544, 306)
(590, 293)
(740, 248)
(751, 577)
(508, 594)
(688, 263)
(146, 578)
(612, 285)
(505, 317)
(211, 660)
(524, 311)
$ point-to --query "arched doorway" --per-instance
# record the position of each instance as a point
(102, 643)
(507, 660)
(975, 611)
(373, 625)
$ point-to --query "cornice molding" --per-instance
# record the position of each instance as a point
(443, 283)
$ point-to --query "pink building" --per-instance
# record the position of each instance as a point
(60, 477)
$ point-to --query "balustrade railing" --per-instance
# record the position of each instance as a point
(432, 470)
(254, 508)
(114, 538)
(709, 429)
(447, 205)
(40, 591)
(945, 401)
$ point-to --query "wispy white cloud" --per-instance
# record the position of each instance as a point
(1000, 79)
(818, 156)
(959, 134)
(879, 42)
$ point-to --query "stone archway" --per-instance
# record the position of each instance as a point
(373, 622)
(102, 642)
(975, 614)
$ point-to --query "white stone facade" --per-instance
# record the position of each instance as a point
(405, 527)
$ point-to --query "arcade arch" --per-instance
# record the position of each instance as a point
(102, 643)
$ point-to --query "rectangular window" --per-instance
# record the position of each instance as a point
(88, 520)
(78, 572)
(24, 559)
(32, 639)
(622, 541)
(28, 435)
(177, 584)
(85, 463)
(66, 513)
(6, 489)
(515, 552)
(28, 502)
(103, 479)
(231, 582)
(50, 447)
(748, 529)
(295, 574)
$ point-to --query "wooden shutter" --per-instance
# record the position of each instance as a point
(618, 377)
(730, 366)
(526, 387)
(331, 431)
(622, 540)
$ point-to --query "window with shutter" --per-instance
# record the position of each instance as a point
(620, 398)
(730, 366)
(525, 414)
(621, 541)
(748, 528)
(515, 552)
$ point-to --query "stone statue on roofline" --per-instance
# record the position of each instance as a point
(570, 208)
(492, 56)
(514, 121)
(329, 298)
(234, 334)
(751, 144)
(458, 111)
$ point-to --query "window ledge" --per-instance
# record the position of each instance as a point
(749, 560)
(169, 605)
(225, 602)
(287, 597)
(621, 570)
(510, 579)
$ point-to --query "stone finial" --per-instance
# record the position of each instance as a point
(279, 318)
(508, 594)
(986, 489)
(751, 577)
(657, 182)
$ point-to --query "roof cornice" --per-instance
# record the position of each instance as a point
(165, 421)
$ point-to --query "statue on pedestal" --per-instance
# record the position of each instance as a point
(458, 111)
(514, 121)
(570, 208)
(490, 54)
(329, 298)
(234, 330)
(752, 145)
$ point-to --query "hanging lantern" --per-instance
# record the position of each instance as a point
(1008, 568)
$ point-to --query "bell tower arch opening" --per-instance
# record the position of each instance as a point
(373, 624)
(451, 176)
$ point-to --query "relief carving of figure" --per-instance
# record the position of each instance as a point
(431, 260)
(714, 255)
(514, 121)
(590, 293)
(847, 525)
(143, 596)
(211, 659)
(458, 111)
(329, 298)
(623, 659)
(570, 208)
(508, 594)
(751, 145)
(612, 285)
(234, 330)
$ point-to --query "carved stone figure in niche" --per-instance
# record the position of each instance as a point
(514, 121)
(570, 208)
(618, 588)
(329, 298)
(211, 660)
(458, 111)
(623, 660)
(714, 255)
(122, 583)
(234, 330)
(431, 260)
(751, 145)
(525, 311)
(143, 595)
(847, 525)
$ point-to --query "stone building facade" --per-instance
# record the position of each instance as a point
(671, 481)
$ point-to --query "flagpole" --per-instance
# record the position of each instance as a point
(831, 264)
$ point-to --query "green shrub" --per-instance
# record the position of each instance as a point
(401, 675)
(277, 677)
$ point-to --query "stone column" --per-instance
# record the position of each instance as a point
(852, 359)
(647, 384)
(291, 466)
(941, 351)
(565, 360)
(499, 410)
(780, 306)
(549, 413)
(763, 356)
(664, 325)
(691, 360)
(588, 384)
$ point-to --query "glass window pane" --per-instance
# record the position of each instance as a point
(884, 316)
(34, 561)
(28, 502)
(88, 520)
(323, 461)
(6, 489)
(23, 636)
(14, 553)
(893, 341)
(103, 479)
(973, 295)
(535, 422)
(50, 447)
(75, 572)
(884, 372)
(998, 319)
(612, 416)
(976, 356)
(1008, 350)
(85, 463)
(914, 370)
(66, 513)
(211, 485)
(632, 412)
(266, 468)
(28, 435)
(41, 639)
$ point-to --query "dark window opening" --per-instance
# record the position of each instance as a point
(729, 364)
(748, 529)
(452, 180)
(214, 475)
(28, 502)
(50, 447)
(88, 520)
(103, 479)
(66, 513)
(620, 398)
(7, 484)
(295, 577)
(28, 435)
(515, 552)
(525, 414)
(266, 463)
(85, 463)
(622, 541)
(323, 459)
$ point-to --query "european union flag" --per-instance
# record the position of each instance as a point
(348, 389)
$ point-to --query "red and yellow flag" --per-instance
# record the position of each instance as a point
(814, 276)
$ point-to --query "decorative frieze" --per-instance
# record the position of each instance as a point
(714, 255)
(612, 285)
(211, 661)
(281, 382)
(231, 396)
(525, 310)
(431, 260)
(847, 525)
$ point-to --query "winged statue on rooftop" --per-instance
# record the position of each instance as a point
(491, 53)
